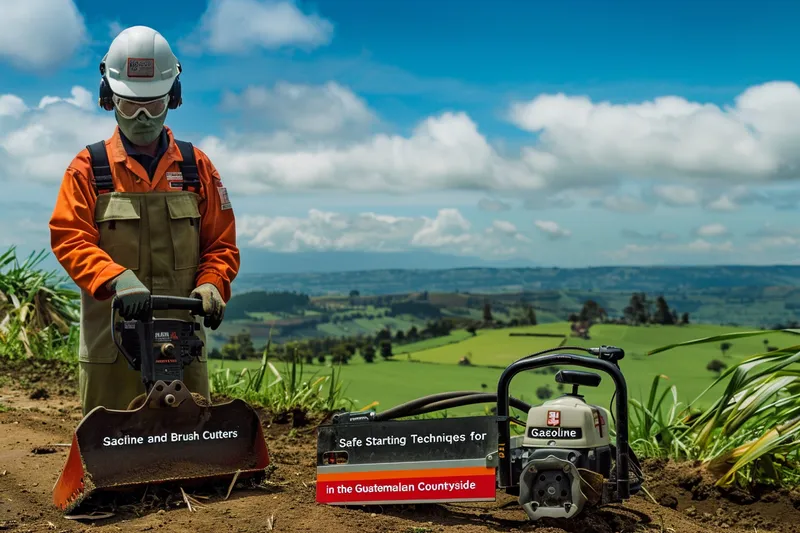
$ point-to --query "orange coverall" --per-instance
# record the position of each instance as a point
(74, 236)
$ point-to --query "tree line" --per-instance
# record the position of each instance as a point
(340, 349)
(639, 311)
(369, 347)
(265, 302)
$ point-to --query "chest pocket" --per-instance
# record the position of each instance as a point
(184, 229)
(118, 220)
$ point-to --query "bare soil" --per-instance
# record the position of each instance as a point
(39, 413)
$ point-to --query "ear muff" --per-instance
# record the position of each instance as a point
(175, 99)
(105, 93)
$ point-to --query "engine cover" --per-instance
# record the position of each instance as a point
(566, 422)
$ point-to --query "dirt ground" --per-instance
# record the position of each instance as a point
(42, 411)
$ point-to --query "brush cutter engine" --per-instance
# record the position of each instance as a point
(175, 345)
(563, 438)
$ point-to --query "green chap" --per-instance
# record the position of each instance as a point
(157, 236)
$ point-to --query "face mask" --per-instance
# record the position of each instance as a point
(141, 130)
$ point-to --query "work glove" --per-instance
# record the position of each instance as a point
(133, 296)
(213, 305)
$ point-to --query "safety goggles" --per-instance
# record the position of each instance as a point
(131, 108)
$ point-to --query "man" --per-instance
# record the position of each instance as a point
(141, 214)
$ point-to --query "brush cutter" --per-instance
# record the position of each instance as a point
(562, 463)
(171, 434)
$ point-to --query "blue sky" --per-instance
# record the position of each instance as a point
(561, 133)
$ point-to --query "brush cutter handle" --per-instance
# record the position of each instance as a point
(166, 303)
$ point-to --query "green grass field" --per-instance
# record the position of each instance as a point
(394, 382)
(491, 347)
(267, 317)
(362, 326)
(430, 368)
(456, 336)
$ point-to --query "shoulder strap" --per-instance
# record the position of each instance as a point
(191, 178)
(102, 180)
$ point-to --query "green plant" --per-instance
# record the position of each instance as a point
(284, 391)
(38, 315)
(656, 427)
(750, 434)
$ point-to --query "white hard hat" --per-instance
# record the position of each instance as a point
(140, 64)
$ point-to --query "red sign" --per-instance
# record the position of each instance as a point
(398, 486)
(553, 418)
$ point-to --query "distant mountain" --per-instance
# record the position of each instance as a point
(316, 280)
(256, 261)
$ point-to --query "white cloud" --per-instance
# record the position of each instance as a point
(552, 229)
(735, 197)
(656, 251)
(702, 245)
(40, 34)
(769, 236)
(560, 200)
(323, 109)
(443, 152)
(775, 244)
(769, 229)
(624, 203)
(327, 231)
(447, 152)
(80, 98)
(724, 204)
(783, 198)
(669, 137)
(11, 106)
(38, 143)
(677, 195)
(493, 206)
(448, 228)
(711, 230)
(663, 236)
(778, 241)
(505, 226)
(449, 231)
(239, 26)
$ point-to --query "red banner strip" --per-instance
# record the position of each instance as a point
(408, 489)
(402, 474)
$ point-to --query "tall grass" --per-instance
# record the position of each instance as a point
(282, 392)
(748, 435)
(37, 315)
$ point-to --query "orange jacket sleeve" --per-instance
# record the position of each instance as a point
(219, 255)
(73, 235)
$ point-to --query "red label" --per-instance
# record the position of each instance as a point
(599, 422)
(553, 418)
(401, 490)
